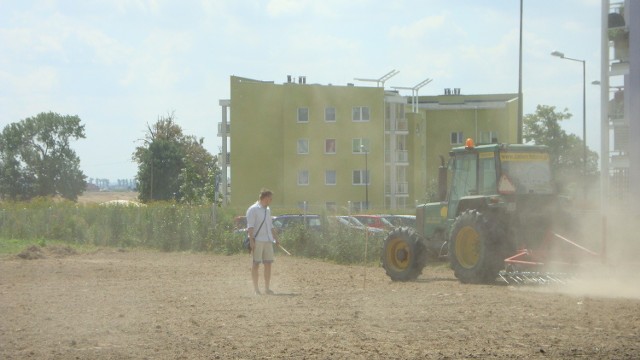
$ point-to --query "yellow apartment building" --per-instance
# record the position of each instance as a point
(350, 147)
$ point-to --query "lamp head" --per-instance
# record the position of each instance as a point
(557, 53)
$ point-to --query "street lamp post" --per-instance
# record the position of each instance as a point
(366, 178)
(584, 113)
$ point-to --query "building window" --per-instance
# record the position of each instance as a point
(357, 206)
(330, 177)
(360, 177)
(303, 177)
(303, 115)
(457, 138)
(303, 146)
(360, 146)
(331, 206)
(488, 137)
(330, 146)
(330, 114)
(360, 113)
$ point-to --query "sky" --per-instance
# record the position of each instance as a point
(120, 65)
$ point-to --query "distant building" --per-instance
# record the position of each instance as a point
(620, 105)
(329, 147)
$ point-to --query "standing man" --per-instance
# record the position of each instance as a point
(261, 239)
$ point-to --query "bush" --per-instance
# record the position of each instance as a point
(167, 226)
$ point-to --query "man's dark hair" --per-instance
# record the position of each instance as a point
(265, 193)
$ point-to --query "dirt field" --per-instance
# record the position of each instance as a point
(148, 305)
(102, 196)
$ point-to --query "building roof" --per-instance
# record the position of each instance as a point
(454, 102)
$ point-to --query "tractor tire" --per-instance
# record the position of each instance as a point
(403, 255)
(474, 248)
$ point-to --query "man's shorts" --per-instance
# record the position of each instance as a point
(263, 252)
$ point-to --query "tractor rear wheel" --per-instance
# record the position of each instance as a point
(474, 252)
(403, 255)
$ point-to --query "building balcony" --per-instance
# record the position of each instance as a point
(619, 68)
(402, 188)
(228, 159)
(220, 129)
(400, 125)
(619, 162)
(401, 157)
(621, 138)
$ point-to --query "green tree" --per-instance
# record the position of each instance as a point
(566, 150)
(173, 166)
(36, 158)
(198, 174)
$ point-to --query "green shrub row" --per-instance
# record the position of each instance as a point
(167, 227)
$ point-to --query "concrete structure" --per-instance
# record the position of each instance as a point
(334, 147)
(620, 86)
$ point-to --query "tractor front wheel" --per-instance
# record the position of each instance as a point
(403, 255)
(473, 252)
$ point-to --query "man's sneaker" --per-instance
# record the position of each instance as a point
(269, 292)
(258, 292)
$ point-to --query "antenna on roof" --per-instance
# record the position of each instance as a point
(381, 80)
(414, 92)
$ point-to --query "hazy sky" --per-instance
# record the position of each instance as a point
(119, 65)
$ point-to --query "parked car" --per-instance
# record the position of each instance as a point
(288, 221)
(401, 220)
(376, 221)
(240, 223)
(372, 230)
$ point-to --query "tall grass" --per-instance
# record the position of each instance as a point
(167, 227)
(164, 226)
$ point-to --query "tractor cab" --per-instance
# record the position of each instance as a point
(496, 173)
(485, 176)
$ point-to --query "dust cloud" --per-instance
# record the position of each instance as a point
(616, 274)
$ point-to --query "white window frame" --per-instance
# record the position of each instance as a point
(326, 117)
(327, 177)
(459, 136)
(303, 115)
(484, 135)
(300, 149)
(361, 174)
(327, 147)
(358, 143)
(303, 177)
(360, 114)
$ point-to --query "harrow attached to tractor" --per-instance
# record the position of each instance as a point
(501, 218)
(557, 253)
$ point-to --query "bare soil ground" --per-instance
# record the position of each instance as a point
(149, 305)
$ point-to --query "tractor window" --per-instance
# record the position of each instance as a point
(464, 181)
(525, 173)
(487, 178)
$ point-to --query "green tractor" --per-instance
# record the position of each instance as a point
(500, 212)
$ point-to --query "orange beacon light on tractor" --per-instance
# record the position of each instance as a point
(469, 144)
